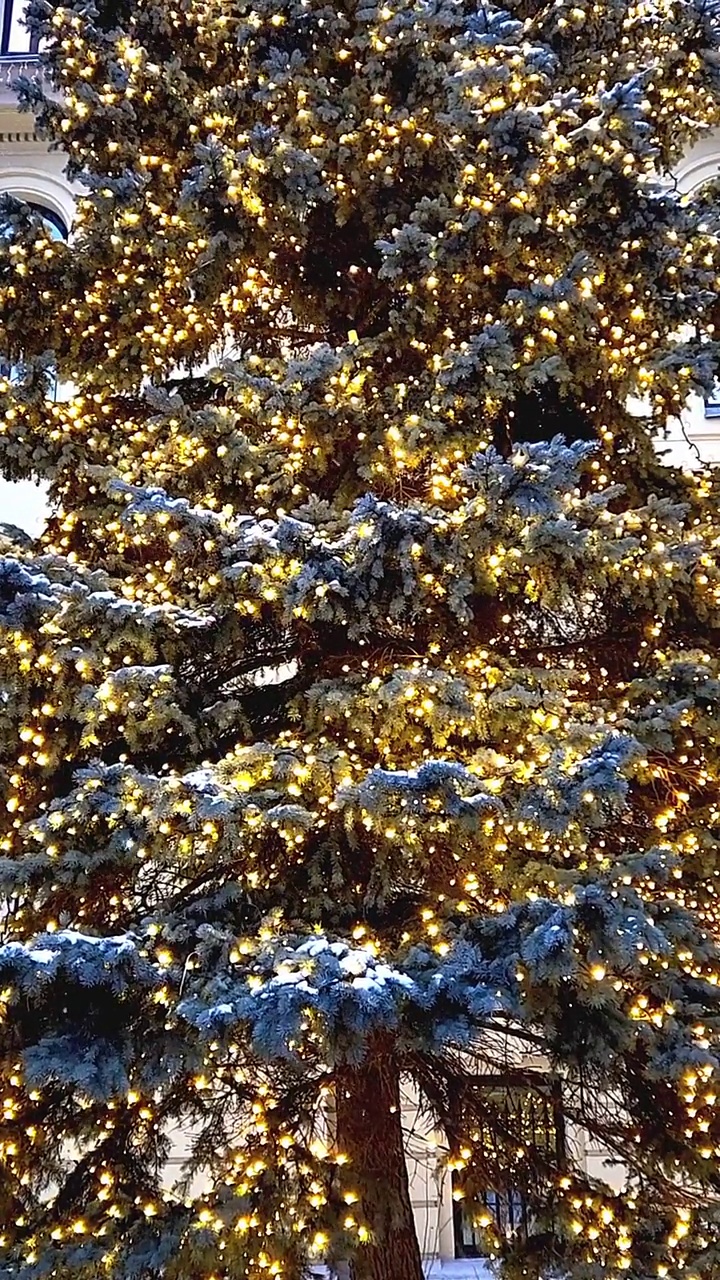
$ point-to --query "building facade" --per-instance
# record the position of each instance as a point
(30, 171)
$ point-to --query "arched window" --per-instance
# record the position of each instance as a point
(56, 229)
(698, 177)
(52, 221)
(23, 503)
(707, 193)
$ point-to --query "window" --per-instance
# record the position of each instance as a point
(523, 1122)
(15, 39)
(57, 230)
(712, 404)
(52, 221)
(698, 183)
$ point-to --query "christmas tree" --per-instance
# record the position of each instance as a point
(360, 702)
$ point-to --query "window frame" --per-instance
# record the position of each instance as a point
(10, 8)
(507, 1206)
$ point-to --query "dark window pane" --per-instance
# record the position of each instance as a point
(531, 1122)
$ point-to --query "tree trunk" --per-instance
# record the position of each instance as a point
(369, 1132)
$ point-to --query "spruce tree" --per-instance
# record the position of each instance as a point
(360, 702)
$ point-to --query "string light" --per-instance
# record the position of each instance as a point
(237, 683)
